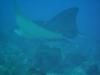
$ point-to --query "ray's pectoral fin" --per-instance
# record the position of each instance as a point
(64, 23)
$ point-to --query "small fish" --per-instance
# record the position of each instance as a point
(34, 71)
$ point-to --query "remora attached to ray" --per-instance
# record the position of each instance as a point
(62, 25)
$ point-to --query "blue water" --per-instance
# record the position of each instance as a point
(22, 56)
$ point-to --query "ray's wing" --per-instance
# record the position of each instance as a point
(64, 23)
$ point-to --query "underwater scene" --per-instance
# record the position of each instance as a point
(49, 37)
